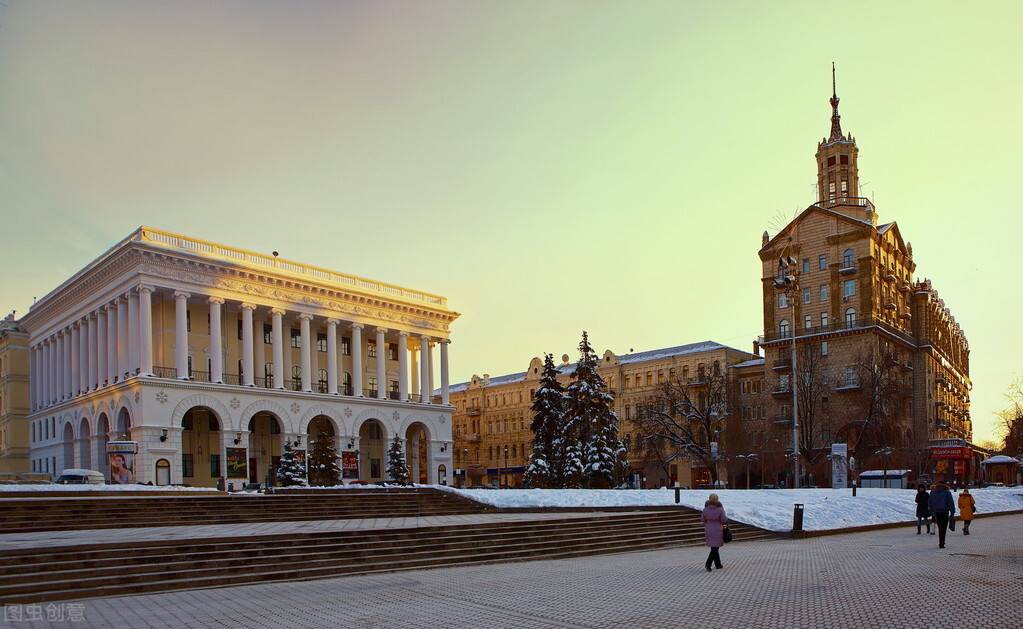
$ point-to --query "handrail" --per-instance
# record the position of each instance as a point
(841, 326)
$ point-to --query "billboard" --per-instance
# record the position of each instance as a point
(839, 468)
(121, 461)
(237, 465)
(350, 465)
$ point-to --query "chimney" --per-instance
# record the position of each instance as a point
(756, 347)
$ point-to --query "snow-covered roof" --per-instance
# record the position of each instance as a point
(752, 362)
(75, 471)
(880, 473)
(999, 458)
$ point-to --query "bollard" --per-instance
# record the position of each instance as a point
(678, 495)
(854, 488)
(797, 517)
(220, 484)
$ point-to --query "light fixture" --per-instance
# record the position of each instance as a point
(237, 438)
(444, 447)
(298, 441)
(351, 443)
(163, 435)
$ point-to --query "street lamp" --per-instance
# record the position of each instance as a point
(885, 453)
(748, 458)
(505, 467)
(788, 280)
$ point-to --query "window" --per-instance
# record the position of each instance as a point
(268, 374)
(807, 295)
(783, 328)
(296, 337)
(807, 322)
(824, 319)
(822, 263)
(847, 258)
(346, 346)
(844, 159)
(850, 377)
(268, 334)
(321, 380)
(845, 186)
(321, 342)
(850, 317)
(783, 300)
(214, 465)
(186, 466)
(824, 292)
(392, 351)
(296, 376)
(848, 288)
(348, 383)
(239, 329)
(371, 349)
(189, 366)
(831, 189)
(806, 265)
(371, 384)
(188, 320)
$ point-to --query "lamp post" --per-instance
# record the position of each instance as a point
(748, 458)
(788, 280)
(885, 453)
(505, 467)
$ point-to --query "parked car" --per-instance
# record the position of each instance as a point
(80, 477)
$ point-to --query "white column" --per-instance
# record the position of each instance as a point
(181, 333)
(248, 368)
(122, 338)
(444, 397)
(69, 363)
(278, 348)
(258, 346)
(76, 364)
(83, 356)
(216, 343)
(46, 372)
(133, 333)
(332, 356)
(403, 365)
(289, 355)
(424, 370)
(60, 364)
(101, 347)
(381, 363)
(306, 353)
(414, 370)
(90, 324)
(111, 348)
(146, 330)
(357, 359)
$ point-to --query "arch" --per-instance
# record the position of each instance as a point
(319, 424)
(313, 411)
(102, 437)
(162, 472)
(85, 444)
(367, 415)
(69, 447)
(372, 451)
(265, 445)
(417, 452)
(413, 418)
(123, 424)
(264, 406)
(209, 402)
(848, 258)
(201, 463)
(783, 328)
(850, 317)
(442, 474)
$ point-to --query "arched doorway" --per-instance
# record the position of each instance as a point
(163, 472)
(84, 445)
(102, 437)
(123, 424)
(321, 424)
(417, 444)
(69, 448)
(200, 447)
(264, 446)
(442, 474)
(371, 451)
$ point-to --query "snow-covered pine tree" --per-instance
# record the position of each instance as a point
(290, 473)
(592, 427)
(324, 462)
(546, 461)
(397, 469)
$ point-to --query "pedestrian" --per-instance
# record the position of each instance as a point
(923, 511)
(942, 508)
(967, 507)
(714, 521)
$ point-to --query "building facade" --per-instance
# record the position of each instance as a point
(880, 361)
(14, 403)
(209, 357)
(492, 415)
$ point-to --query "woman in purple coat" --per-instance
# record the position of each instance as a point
(714, 521)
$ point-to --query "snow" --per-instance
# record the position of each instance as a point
(880, 473)
(999, 458)
(86, 488)
(771, 509)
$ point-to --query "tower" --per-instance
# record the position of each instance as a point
(837, 172)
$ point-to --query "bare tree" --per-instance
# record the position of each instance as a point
(1010, 420)
(686, 416)
(812, 385)
(884, 389)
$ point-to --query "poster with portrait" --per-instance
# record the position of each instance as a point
(349, 465)
(237, 466)
(121, 461)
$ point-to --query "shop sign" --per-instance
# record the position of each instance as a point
(950, 453)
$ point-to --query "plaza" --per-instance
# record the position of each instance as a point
(882, 578)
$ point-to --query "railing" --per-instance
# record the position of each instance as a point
(369, 393)
(847, 325)
(165, 372)
(847, 269)
(846, 201)
(782, 363)
(393, 395)
(847, 385)
(199, 376)
(783, 390)
(232, 378)
(473, 411)
(321, 387)
(210, 249)
(782, 419)
(293, 385)
(347, 390)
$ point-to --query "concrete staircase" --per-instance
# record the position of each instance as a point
(99, 570)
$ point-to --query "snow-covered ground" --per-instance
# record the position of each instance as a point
(823, 509)
(88, 488)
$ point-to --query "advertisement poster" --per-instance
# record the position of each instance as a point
(839, 471)
(237, 466)
(350, 465)
(121, 459)
(300, 458)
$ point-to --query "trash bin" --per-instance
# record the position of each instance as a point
(220, 484)
(678, 495)
(797, 517)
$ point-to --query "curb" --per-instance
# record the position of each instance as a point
(885, 525)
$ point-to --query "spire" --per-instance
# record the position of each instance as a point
(836, 125)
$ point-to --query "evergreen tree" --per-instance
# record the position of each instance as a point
(290, 473)
(324, 462)
(591, 425)
(546, 461)
(397, 469)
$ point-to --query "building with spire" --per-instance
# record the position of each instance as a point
(859, 349)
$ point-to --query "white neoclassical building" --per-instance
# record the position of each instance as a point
(210, 357)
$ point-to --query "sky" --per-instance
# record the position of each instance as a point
(548, 166)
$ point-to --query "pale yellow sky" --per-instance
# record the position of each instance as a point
(548, 166)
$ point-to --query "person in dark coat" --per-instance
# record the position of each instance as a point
(923, 511)
(942, 508)
(714, 521)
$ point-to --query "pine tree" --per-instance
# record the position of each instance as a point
(591, 425)
(290, 473)
(546, 462)
(324, 462)
(397, 469)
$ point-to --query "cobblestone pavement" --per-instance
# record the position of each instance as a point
(885, 578)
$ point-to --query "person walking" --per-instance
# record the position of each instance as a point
(714, 521)
(923, 511)
(942, 508)
(967, 507)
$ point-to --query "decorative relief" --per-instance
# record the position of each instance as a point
(138, 396)
(161, 397)
(235, 403)
(441, 419)
(396, 416)
(295, 408)
(348, 411)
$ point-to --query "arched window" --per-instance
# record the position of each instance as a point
(163, 472)
(348, 384)
(321, 380)
(850, 317)
(783, 328)
(847, 258)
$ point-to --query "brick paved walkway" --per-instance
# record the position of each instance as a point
(886, 578)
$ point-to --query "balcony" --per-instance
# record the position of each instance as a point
(844, 201)
(847, 268)
(783, 419)
(782, 364)
(472, 437)
(781, 391)
(165, 372)
(847, 385)
(846, 325)
(889, 277)
(473, 411)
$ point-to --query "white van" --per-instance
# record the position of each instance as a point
(80, 477)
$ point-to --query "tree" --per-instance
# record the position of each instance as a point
(397, 469)
(546, 461)
(686, 416)
(812, 385)
(884, 389)
(591, 427)
(324, 462)
(1010, 420)
(290, 472)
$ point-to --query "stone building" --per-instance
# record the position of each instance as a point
(14, 404)
(839, 287)
(208, 358)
